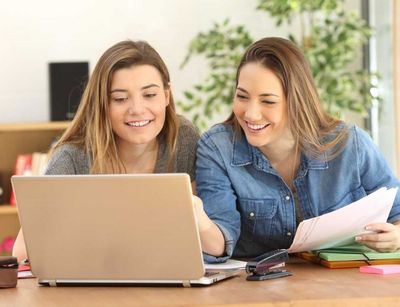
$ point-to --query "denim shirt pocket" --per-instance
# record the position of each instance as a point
(257, 219)
(347, 199)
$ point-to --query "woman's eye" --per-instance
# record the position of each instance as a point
(240, 96)
(268, 102)
(150, 95)
(119, 99)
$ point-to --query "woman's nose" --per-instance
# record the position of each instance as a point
(135, 106)
(253, 112)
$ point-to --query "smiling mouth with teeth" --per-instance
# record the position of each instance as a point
(256, 127)
(140, 123)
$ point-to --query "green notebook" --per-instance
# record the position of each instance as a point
(353, 252)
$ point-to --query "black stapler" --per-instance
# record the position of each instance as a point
(268, 266)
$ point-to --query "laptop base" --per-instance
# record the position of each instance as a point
(204, 281)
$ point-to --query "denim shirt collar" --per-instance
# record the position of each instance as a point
(244, 154)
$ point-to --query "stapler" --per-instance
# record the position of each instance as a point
(268, 266)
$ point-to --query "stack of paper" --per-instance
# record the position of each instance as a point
(346, 263)
(350, 256)
(339, 227)
(354, 252)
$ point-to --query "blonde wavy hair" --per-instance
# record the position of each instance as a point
(311, 127)
(91, 128)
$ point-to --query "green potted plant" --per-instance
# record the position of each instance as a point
(330, 36)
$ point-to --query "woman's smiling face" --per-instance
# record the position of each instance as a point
(138, 102)
(260, 105)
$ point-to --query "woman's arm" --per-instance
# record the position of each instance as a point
(218, 217)
(376, 173)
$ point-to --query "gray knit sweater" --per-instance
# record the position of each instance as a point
(69, 159)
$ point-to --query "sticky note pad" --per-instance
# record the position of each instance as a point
(381, 269)
(23, 267)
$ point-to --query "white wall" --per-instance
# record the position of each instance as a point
(381, 61)
(34, 33)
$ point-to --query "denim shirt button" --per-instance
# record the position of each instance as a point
(287, 197)
(251, 214)
(288, 234)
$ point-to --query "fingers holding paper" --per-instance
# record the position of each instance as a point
(385, 237)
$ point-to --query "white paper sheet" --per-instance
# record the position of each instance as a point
(25, 274)
(230, 264)
(341, 226)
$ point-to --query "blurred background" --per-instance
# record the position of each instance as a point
(351, 46)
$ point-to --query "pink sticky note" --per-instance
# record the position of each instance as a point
(381, 269)
(22, 268)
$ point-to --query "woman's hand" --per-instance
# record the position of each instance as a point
(385, 237)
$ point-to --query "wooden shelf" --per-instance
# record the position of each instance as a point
(9, 224)
(15, 139)
(8, 209)
(25, 127)
(18, 139)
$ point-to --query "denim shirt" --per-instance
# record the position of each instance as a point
(254, 208)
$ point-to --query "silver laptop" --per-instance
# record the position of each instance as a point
(112, 229)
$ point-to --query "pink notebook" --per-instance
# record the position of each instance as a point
(381, 269)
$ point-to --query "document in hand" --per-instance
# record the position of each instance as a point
(339, 227)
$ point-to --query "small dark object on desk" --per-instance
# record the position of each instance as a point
(8, 272)
(268, 266)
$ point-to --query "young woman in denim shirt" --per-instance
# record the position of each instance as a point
(279, 159)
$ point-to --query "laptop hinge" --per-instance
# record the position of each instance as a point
(186, 283)
(52, 283)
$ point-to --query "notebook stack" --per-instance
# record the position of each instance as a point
(350, 256)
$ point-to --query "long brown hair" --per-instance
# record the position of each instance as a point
(91, 128)
(309, 124)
